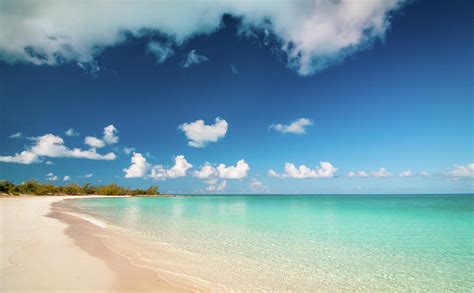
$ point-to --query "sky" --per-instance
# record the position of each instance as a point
(239, 97)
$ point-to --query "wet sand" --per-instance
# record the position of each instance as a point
(44, 249)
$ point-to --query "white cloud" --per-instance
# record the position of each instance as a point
(256, 185)
(71, 132)
(358, 174)
(67, 178)
(16, 135)
(406, 173)
(207, 171)
(89, 175)
(25, 157)
(138, 168)
(160, 51)
(461, 172)
(128, 150)
(324, 170)
(52, 146)
(193, 58)
(211, 174)
(211, 181)
(108, 138)
(273, 173)
(199, 134)
(179, 169)
(222, 186)
(312, 34)
(49, 163)
(384, 173)
(296, 127)
(215, 186)
(94, 142)
(51, 177)
(381, 173)
(238, 171)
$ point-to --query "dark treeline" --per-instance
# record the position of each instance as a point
(33, 187)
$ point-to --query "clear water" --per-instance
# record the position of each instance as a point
(308, 242)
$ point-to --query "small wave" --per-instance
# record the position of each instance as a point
(89, 219)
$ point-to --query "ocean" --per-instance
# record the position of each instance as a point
(301, 242)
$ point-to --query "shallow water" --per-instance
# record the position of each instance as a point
(305, 242)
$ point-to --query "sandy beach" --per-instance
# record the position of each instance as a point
(41, 251)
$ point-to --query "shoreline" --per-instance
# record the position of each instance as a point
(45, 249)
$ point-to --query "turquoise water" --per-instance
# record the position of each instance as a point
(307, 242)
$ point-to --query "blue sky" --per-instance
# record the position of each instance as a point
(397, 98)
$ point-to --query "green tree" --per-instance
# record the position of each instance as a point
(6, 186)
(89, 189)
(34, 187)
(152, 190)
(72, 189)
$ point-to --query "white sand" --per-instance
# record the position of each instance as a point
(36, 255)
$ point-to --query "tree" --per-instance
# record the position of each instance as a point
(89, 189)
(6, 186)
(73, 189)
(34, 187)
(152, 190)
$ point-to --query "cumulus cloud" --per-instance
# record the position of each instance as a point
(207, 171)
(89, 175)
(222, 186)
(406, 173)
(238, 171)
(312, 34)
(109, 137)
(215, 177)
(138, 168)
(141, 168)
(296, 127)
(71, 132)
(94, 142)
(67, 178)
(199, 134)
(381, 173)
(128, 150)
(461, 172)
(211, 181)
(256, 185)
(324, 170)
(358, 174)
(222, 171)
(52, 146)
(51, 177)
(25, 157)
(273, 173)
(193, 58)
(216, 185)
(16, 135)
(181, 166)
(160, 51)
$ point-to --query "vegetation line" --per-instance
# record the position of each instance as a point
(33, 187)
